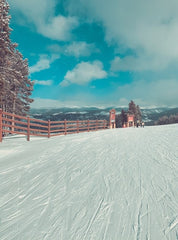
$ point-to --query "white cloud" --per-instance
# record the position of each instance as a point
(130, 63)
(43, 63)
(159, 92)
(55, 48)
(76, 49)
(79, 49)
(52, 103)
(42, 14)
(46, 103)
(59, 28)
(148, 28)
(43, 82)
(84, 73)
(71, 103)
(123, 102)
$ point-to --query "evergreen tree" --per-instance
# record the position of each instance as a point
(173, 119)
(4, 47)
(138, 114)
(133, 109)
(15, 87)
(4, 32)
(167, 120)
(123, 117)
(21, 86)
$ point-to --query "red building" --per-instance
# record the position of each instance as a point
(112, 118)
(130, 121)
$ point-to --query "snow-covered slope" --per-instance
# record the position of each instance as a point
(109, 185)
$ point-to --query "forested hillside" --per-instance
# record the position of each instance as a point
(149, 116)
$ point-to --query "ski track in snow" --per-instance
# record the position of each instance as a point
(118, 184)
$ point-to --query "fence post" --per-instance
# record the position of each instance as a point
(49, 128)
(65, 127)
(28, 128)
(13, 123)
(88, 125)
(97, 125)
(104, 123)
(0, 125)
(77, 126)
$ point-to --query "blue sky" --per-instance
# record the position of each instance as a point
(99, 52)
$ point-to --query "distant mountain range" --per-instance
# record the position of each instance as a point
(149, 115)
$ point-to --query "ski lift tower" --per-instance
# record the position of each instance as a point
(112, 119)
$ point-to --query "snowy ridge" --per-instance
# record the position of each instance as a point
(117, 184)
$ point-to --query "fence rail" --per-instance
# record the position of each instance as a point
(15, 124)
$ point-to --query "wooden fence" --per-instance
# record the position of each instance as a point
(15, 124)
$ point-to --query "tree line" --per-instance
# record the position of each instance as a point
(167, 119)
(15, 85)
(133, 109)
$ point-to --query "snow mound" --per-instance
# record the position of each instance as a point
(108, 185)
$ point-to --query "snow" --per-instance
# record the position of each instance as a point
(84, 112)
(36, 114)
(56, 113)
(118, 184)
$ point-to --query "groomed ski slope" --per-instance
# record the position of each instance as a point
(116, 184)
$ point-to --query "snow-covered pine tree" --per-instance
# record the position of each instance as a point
(15, 86)
(133, 109)
(26, 89)
(4, 48)
(20, 86)
(123, 117)
(10, 76)
(139, 114)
